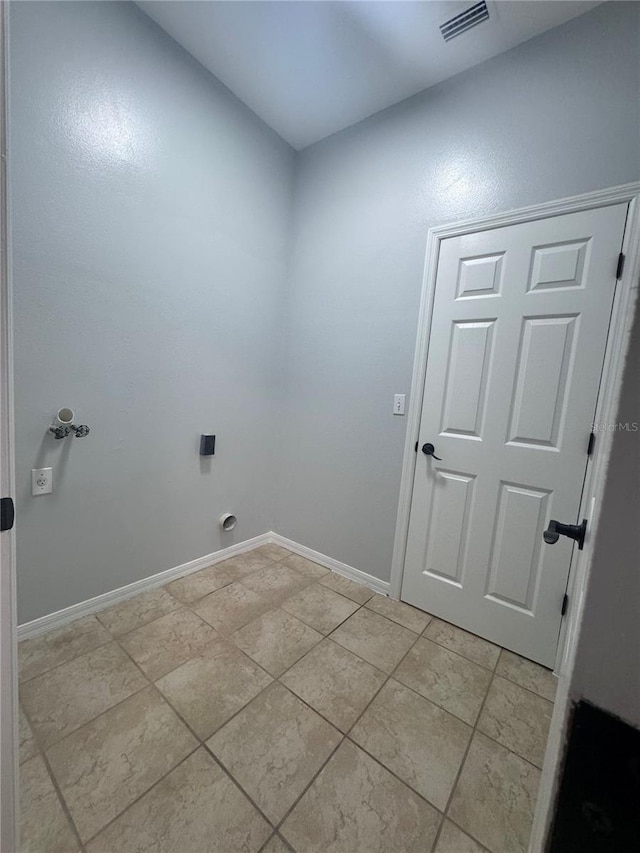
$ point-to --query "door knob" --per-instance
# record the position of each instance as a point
(574, 531)
(429, 450)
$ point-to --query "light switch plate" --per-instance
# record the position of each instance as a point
(398, 404)
(41, 481)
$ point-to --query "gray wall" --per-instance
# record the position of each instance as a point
(556, 116)
(607, 670)
(150, 218)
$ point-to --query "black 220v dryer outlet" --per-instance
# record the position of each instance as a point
(207, 445)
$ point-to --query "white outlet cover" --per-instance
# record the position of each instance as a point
(41, 481)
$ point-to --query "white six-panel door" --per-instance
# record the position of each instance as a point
(518, 335)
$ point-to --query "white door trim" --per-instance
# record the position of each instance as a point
(9, 803)
(617, 344)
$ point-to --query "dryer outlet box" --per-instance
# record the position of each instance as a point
(207, 445)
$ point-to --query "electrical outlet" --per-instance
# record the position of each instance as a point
(41, 481)
(398, 404)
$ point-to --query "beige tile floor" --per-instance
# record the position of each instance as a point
(267, 704)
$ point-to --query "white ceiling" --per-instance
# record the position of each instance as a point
(310, 68)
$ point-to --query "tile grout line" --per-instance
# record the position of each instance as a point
(235, 782)
(459, 654)
(279, 838)
(454, 787)
(473, 728)
(344, 595)
(43, 750)
(276, 679)
(164, 775)
(271, 561)
(278, 606)
(23, 682)
(179, 602)
(388, 675)
(218, 636)
(377, 761)
(408, 784)
(150, 682)
(97, 716)
(522, 686)
(63, 803)
(140, 796)
(201, 743)
(324, 636)
(142, 624)
(433, 701)
(229, 639)
(494, 668)
(279, 824)
(112, 636)
(165, 588)
(190, 606)
(269, 607)
(308, 624)
(267, 842)
(493, 672)
(345, 736)
(466, 753)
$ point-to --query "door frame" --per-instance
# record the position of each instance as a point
(606, 410)
(9, 750)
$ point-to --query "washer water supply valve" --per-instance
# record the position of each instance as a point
(63, 425)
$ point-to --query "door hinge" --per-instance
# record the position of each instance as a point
(565, 604)
(620, 267)
(592, 443)
(7, 514)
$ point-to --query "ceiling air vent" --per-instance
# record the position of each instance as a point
(459, 24)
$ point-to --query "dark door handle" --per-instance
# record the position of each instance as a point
(7, 514)
(574, 531)
(429, 450)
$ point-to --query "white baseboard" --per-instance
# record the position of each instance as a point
(92, 605)
(335, 565)
(115, 596)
